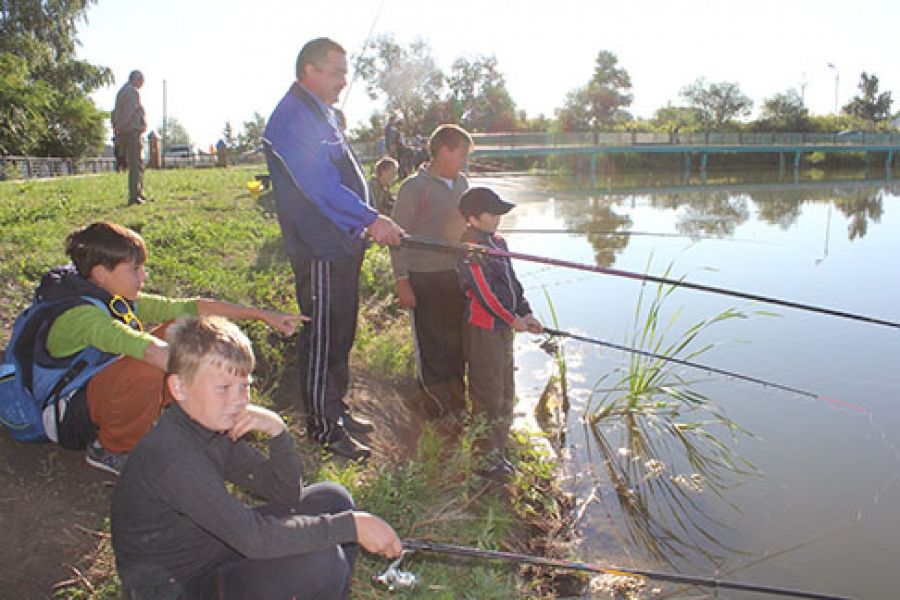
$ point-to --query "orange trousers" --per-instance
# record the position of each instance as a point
(125, 398)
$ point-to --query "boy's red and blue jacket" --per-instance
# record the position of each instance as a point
(494, 296)
(321, 194)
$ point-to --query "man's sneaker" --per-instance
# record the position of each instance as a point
(100, 457)
(357, 425)
(345, 445)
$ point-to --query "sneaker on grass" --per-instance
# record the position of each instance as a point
(101, 458)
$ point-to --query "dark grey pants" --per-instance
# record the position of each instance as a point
(328, 293)
(438, 328)
(322, 575)
(492, 387)
(134, 160)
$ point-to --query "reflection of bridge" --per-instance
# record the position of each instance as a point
(509, 145)
(746, 188)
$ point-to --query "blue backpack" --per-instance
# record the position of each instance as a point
(34, 386)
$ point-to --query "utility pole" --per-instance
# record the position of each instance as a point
(837, 79)
(165, 131)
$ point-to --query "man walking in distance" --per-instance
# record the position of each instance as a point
(324, 210)
(427, 283)
(129, 124)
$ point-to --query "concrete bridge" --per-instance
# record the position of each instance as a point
(592, 145)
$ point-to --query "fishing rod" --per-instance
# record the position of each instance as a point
(687, 363)
(361, 53)
(393, 577)
(460, 247)
(616, 233)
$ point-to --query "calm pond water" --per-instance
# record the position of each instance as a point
(823, 511)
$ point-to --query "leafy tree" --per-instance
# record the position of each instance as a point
(174, 132)
(229, 137)
(23, 107)
(406, 78)
(718, 103)
(673, 119)
(869, 104)
(252, 135)
(600, 104)
(42, 83)
(785, 112)
(478, 95)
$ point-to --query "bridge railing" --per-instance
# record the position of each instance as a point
(587, 138)
(29, 167)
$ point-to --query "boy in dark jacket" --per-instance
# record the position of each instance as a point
(177, 530)
(495, 308)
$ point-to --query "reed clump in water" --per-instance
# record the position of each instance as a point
(666, 446)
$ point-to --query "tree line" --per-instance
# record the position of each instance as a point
(409, 84)
(46, 109)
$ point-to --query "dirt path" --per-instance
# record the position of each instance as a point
(53, 505)
(50, 502)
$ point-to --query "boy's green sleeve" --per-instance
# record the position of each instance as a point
(155, 309)
(90, 325)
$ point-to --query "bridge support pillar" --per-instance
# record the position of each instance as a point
(703, 159)
(593, 168)
(889, 164)
(780, 165)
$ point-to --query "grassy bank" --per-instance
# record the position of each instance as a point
(207, 235)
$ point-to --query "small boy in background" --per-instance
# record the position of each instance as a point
(177, 532)
(495, 309)
(385, 172)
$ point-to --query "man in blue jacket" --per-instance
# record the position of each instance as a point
(324, 211)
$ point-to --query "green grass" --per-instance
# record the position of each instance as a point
(207, 235)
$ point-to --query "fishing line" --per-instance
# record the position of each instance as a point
(687, 363)
(477, 249)
(617, 233)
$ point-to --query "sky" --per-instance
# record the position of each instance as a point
(223, 59)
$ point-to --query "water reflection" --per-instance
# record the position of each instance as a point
(860, 208)
(819, 466)
(714, 208)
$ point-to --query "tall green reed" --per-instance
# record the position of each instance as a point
(667, 447)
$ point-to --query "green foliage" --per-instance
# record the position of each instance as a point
(784, 112)
(173, 132)
(479, 96)
(869, 105)
(718, 103)
(678, 118)
(407, 79)
(45, 108)
(599, 104)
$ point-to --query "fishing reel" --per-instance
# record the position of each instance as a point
(393, 578)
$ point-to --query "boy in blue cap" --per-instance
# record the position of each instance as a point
(495, 309)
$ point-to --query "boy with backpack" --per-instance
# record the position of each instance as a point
(80, 368)
(495, 308)
(178, 532)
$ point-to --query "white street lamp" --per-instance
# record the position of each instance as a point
(837, 79)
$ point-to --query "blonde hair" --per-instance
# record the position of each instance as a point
(210, 340)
